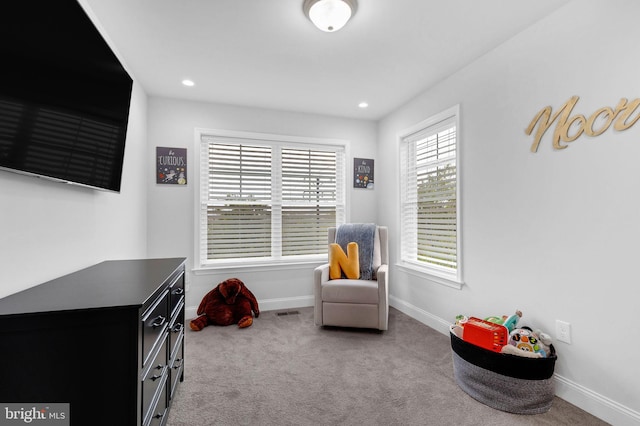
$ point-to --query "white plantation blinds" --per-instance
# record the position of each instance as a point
(238, 207)
(429, 197)
(268, 200)
(312, 183)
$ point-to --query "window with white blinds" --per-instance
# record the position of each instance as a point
(429, 210)
(264, 199)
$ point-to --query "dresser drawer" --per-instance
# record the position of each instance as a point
(176, 328)
(154, 323)
(157, 415)
(176, 292)
(154, 377)
(176, 368)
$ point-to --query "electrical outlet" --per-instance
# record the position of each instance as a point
(563, 331)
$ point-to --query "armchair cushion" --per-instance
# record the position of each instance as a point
(350, 291)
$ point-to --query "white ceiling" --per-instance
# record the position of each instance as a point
(266, 53)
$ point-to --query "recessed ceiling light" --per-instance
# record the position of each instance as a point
(363, 104)
(188, 83)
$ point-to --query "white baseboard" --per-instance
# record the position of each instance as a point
(286, 303)
(604, 408)
(421, 315)
(596, 404)
(190, 312)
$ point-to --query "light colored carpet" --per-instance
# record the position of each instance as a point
(283, 370)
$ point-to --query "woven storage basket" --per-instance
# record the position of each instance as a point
(502, 381)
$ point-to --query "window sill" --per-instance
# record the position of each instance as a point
(244, 266)
(432, 276)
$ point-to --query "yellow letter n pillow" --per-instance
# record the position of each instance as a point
(340, 262)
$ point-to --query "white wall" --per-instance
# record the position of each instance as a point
(172, 123)
(49, 229)
(553, 233)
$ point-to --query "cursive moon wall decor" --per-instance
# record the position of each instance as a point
(570, 127)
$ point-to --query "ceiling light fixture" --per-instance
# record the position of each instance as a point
(329, 15)
(188, 83)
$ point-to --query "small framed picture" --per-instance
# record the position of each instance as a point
(171, 166)
(363, 173)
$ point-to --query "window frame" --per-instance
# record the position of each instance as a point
(299, 142)
(415, 267)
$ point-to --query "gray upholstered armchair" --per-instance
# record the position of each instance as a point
(362, 303)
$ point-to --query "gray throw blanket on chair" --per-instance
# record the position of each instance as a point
(364, 235)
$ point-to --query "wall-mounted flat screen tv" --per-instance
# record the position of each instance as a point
(64, 95)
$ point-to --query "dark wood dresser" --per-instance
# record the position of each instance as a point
(108, 340)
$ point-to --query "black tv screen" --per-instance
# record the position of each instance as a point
(64, 95)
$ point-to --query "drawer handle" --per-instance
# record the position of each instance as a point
(158, 416)
(178, 363)
(157, 376)
(178, 291)
(159, 321)
(177, 328)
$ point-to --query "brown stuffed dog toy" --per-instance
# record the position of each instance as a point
(229, 303)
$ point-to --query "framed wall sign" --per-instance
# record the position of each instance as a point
(363, 173)
(171, 166)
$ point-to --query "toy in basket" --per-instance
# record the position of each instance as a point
(487, 335)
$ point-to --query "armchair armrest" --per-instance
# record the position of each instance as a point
(382, 274)
(383, 295)
(320, 275)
